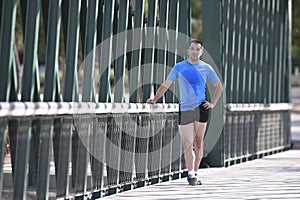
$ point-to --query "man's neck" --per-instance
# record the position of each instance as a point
(193, 62)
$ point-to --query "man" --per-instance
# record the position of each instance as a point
(191, 75)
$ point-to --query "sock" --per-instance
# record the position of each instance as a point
(191, 174)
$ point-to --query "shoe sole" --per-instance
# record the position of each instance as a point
(195, 182)
(192, 182)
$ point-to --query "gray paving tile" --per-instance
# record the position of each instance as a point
(272, 177)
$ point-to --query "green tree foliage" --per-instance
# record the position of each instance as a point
(196, 18)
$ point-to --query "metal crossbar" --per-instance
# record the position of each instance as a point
(23, 109)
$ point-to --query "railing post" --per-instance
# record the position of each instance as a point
(88, 89)
(120, 62)
(22, 158)
(172, 45)
(3, 135)
(147, 67)
(30, 82)
(52, 82)
(105, 51)
(213, 45)
(63, 157)
(44, 157)
(71, 83)
(134, 73)
(7, 38)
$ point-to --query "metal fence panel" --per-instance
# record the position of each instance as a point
(64, 156)
(8, 20)
(22, 158)
(155, 145)
(43, 169)
(52, 83)
(248, 42)
(254, 134)
(3, 129)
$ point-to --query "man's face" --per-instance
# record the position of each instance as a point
(195, 51)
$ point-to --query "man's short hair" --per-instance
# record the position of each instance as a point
(195, 41)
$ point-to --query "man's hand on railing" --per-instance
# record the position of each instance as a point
(151, 101)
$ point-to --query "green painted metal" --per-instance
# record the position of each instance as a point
(23, 5)
(45, 4)
(70, 94)
(286, 60)
(44, 157)
(30, 34)
(149, 52)
(120, 63)
(3, 127)
(52, 85)
(182, 43)
(105, 51)
(135, 68)
(22, 158)
(253, 52)
(1, 5)
(110, 15)
(13, 93)
(171, 58)
(8, 20)
(250, 51)
(30, 76)
(100, 22)
(248, 41)
(83, 130)
(71, 79)
(90, 51)
(64, 151)
(249, 46)
(82, 126)
(82, 25)
(162, 46)
(183, 28)
(212, 44)
(64, 21)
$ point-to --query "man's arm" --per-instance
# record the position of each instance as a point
(218, 91)
(160, 92)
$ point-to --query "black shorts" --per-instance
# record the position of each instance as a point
(198, 114)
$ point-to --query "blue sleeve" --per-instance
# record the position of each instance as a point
(212, 76)
(173, 75)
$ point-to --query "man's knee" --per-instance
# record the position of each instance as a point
(198, 143)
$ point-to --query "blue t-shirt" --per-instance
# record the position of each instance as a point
(192, 82)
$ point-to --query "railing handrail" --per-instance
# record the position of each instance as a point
(258, 107)
(23, 109)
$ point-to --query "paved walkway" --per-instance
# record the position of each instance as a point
(272, 177)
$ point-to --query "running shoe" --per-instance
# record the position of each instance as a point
(192, 180)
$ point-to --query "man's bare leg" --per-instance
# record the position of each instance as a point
(198, 143)
(187, 137)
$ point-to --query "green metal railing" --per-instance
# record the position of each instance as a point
(249, 41)
(73, 30)
(93, 49)
(98, 150)
(255, 130)
(120, 51)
